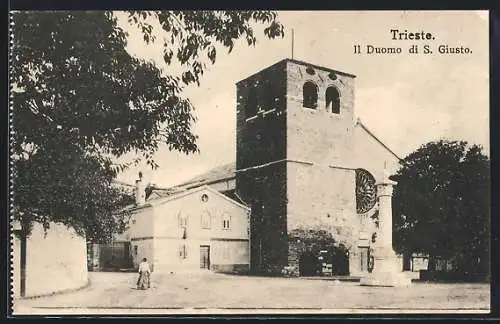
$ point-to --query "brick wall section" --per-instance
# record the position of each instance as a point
(261, 140)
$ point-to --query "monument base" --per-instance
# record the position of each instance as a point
(387, 279)
(387, 271)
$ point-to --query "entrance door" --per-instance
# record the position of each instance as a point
(205, 257)
(340, 262)
(309, 265)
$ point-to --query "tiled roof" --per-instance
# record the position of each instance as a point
(222, 172)
(219, 173)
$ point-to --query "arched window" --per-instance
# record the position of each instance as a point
(251, 106)
(333, 100)
(310, 95)
(205, 219)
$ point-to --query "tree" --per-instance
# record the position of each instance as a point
(80, 100)
(45, 192)
(441, 204)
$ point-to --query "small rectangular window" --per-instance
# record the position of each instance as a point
(226, 221)
(135, 250)
(183, 252)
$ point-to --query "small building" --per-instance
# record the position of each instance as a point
(190, 230)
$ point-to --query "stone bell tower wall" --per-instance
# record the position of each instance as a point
(320, 177)
(260, 161)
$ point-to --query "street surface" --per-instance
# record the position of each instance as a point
(209, 293)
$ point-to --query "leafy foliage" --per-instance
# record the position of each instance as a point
(341, 234)
(441, 204)
(45, 192)
(193, 35)
(80, 100)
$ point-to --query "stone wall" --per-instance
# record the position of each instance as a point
(320, 177)
(266, 194)
(261, 175)
(260, 138)
(318, 135)
(55, 261)
(322, 198)
(306, 240)
(311, 182)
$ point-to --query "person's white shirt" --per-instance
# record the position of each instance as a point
(144, 267)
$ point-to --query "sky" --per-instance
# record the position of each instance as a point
(405, 99)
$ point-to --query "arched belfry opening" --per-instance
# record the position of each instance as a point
(332, 100)
(310, 95)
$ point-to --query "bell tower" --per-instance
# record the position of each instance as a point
(294, 137)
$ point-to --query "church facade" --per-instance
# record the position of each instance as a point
(305, 169)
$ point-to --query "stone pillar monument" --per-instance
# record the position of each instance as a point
(387, 270)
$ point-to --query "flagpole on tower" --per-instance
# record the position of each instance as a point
(292, 41)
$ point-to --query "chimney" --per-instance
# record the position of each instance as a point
(140, 191)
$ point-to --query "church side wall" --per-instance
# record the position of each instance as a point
(371, 155)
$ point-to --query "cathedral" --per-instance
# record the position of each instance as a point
(306, 170)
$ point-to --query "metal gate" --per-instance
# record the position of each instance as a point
(111, 256)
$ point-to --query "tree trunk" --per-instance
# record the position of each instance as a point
(24, 234)
(23, 239)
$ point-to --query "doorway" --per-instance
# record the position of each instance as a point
(205, 257)
(309, 265)
(340, 260)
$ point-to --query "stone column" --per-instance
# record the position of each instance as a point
(387, 270)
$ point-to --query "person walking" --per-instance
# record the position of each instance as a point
(144, 280)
